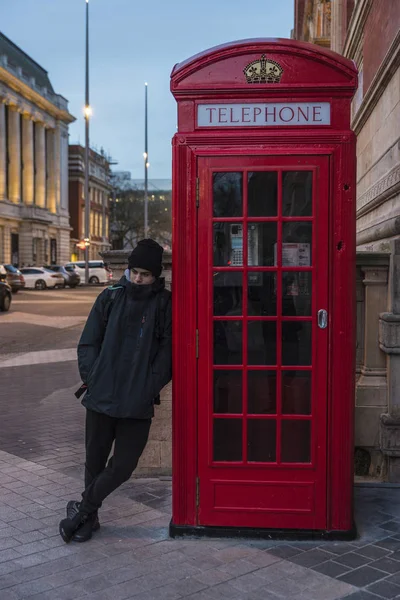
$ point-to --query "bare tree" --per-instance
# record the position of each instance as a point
(128, 217)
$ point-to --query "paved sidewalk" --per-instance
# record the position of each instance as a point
(132, 557)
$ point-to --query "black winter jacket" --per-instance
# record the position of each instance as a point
(123, 361)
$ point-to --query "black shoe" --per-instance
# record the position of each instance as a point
(72, 508)
(68, 527)
(85, 531)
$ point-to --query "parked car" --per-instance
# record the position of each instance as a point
(39, 278)
(98, 272)
(13, 277)
(69, 274)
(5, 296)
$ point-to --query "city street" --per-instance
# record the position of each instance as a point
(41, 458)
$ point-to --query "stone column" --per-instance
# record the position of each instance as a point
(57, 166)
(389, 339)
(40, 179)
(51, 170)
(3, 151)
(371, 387)
(338, 25)
(14, 153)
(28, 179)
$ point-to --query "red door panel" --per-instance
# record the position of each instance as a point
(262, 368)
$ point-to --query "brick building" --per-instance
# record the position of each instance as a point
(34, 220)
(99, 192)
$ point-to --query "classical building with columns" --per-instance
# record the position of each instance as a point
(34, 218)
(99, 194)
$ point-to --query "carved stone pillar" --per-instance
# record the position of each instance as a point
(28, 179)
(14, 153)
(338, 25)
(3, 151)
(389, 340)
(371, 389)
(51, 170)
(40, 179)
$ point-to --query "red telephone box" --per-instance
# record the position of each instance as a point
(264, 291)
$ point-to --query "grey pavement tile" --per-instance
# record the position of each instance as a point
(6, 543)
(28, 524)
(31, 548)
(338, 547)
(389, 543)
(238, 567)
(214, 576)
(353, 560)
(387, 564)
(391, 526)
(312, 558)
(9, 554)
(373, 551)
(385, 589)
(248, 582)
(23, 590)
(361, 595)
(285, 551)
(331, 568)
(363, 576)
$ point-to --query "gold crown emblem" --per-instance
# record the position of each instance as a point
(263, 70)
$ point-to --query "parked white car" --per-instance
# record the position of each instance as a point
(98, 272)
(40, 279)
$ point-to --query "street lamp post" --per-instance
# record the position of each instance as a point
(146, 167)
(87, 112)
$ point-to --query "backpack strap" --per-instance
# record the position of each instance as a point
(161, 309)
(109, 304)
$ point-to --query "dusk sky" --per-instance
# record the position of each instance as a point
(132, 42)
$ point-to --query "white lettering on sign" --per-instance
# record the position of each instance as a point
(263, 115)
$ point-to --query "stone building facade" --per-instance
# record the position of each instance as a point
(99, 193)
(34, 219)
(368, 32)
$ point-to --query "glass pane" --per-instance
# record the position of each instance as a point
(227, 194)
(228, 244)
(227, 439)
(296, 392)
(261, 343)
(227, 391)
(261, 294)
(296, 294)
(296, 244)
(296, 441)
(296, 343)
(261, 440)
(261, 392)
(227, 293)
(297, 194)
(261, 244)
(227, 342)
(262, 194)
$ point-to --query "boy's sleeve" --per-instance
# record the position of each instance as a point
(89, 345)
(162, 364)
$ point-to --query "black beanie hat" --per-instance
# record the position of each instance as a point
(147, 255)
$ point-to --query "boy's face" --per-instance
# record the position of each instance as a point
(141, 276)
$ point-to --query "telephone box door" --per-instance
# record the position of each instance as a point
(263, 330)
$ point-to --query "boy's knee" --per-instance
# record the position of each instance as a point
(123, 472)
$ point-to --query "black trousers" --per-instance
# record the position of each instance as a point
(102, 477)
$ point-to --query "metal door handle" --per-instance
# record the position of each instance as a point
(322, 319)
